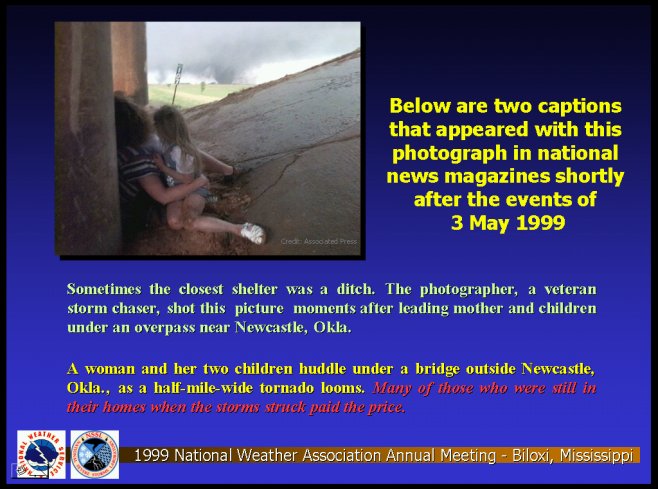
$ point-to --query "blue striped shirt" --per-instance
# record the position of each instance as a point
(133, 165)
(136, 204)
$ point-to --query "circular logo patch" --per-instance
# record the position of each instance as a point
(41, 454)
(94, 454)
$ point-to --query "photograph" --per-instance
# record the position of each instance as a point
(208, 138)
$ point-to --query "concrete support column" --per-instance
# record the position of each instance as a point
(129, 60)
(87, 215)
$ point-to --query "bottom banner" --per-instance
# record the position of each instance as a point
(383, 455)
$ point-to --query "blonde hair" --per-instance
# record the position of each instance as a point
(172, 129)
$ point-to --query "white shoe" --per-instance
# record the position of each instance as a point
(253, 233)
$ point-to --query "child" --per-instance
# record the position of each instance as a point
(181, 165)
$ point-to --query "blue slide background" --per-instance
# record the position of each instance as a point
(436, 53)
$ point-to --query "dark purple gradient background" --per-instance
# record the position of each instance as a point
(441, 53)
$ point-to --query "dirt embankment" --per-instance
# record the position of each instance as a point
(301, 136)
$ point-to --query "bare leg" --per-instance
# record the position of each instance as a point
(213, 165)
(175, 215)
(193, 220)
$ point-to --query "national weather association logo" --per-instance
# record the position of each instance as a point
(41, 455)
(94, 454)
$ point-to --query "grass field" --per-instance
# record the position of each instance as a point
(189, 95)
